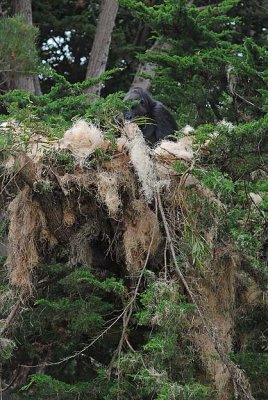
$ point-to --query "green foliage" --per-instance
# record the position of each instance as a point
(83, 277)
(7, 347)
(200, 215)
(106, 110)
(220, 183)
(248, 230)
(241, 149)
(18, 50)
(81, 306)
(52, 113)
(71, 314)
(76, 309)
(50, 388)
(162, 305)
(179, 166)
(149, 371)
(233, 168)
(60, 159)
(203, 75)
(255, 364)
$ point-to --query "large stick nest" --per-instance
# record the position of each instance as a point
(98, 205)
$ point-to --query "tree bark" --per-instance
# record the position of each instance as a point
(147, 68)
(101, 45)
(24, 9)
(28, 83)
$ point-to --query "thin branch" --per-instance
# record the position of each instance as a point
(11, 317)
(128, 313)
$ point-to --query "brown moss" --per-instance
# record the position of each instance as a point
(108, 191)
(27, 227)
(142, 236)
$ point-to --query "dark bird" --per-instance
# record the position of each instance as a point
(158, 121)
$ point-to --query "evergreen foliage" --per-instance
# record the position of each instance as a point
(210, 71)
(75, 310)
(52, 113)
(18, 51)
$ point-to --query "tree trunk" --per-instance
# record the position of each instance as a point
(25, 82)
(147, 68)
(23, 8)
(101, 45)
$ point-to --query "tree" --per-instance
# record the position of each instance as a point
(102, 40)
(24, 9)
(67, 34)
(18, 53)
(21, 80)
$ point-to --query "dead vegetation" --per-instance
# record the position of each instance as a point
(27, 230)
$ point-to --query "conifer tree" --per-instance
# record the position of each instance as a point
(18, 53)
(22, 80)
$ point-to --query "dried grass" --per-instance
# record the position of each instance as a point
(27, 226)
(187, 130)
(141, 161)
(218, 307)
(82, 140)
(109, 192)
(142, 232)
(182, 149)
(68, 216)
(121, 144)
(37, 146)
(80, 249)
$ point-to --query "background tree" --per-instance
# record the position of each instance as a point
(18, 54)
(66, 40)
(22, 80)
(102, 41)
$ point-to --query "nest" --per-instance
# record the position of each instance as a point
(110, 202)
